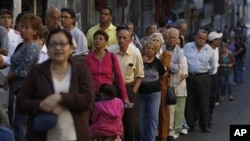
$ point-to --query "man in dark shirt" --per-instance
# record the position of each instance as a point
(239, 56)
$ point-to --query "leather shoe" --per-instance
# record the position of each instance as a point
(191, 129)
(205, 129)
(170, 138)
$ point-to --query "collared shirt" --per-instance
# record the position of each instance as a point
(14, 40)
(177, 56)
(131, 63)
(175, 79)
(43, 56)
(199, 61)
(111, 31)
(176, 65)
(158, 54)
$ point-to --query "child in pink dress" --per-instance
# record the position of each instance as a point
(107, 116)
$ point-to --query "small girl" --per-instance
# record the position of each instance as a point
(107, 116)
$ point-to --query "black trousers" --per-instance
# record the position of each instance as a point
(131, 117)
(197, 104)
(214, 97)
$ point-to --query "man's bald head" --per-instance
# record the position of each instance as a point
(52, 18)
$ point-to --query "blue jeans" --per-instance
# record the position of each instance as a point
(238, 75)
(149, 113)
(20, 126)
(226, 80)
(18, 121)
(6, 134)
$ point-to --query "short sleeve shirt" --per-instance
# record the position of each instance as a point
(111, 31)
(131, 63)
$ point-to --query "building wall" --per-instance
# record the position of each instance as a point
(80, 7)
(141, 13)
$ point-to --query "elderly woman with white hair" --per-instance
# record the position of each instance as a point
(165, 58)
(158, 39)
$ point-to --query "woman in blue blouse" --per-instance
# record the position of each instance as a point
(24, 57)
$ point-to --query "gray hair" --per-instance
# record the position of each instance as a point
(173, 30)
(53, 8)
(177, 24)
(157, 34)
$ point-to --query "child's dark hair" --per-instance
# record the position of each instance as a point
(108, 90)
(43, 32)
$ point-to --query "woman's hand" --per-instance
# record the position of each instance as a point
(50, 102)
(230, 65)
(126, 101)
(145, 59)
(57, 109)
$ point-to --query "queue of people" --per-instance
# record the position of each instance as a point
(56, 69)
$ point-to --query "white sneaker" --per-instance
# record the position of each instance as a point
(184, 131)
(176, 136)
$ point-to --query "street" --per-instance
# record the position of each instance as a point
(227, 113)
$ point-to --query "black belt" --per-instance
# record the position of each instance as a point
(197, 74)
(129, 83)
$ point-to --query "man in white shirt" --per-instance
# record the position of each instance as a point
(3, 94)
(214, 40)
(178, 73)
(43, 56)
(14, 39)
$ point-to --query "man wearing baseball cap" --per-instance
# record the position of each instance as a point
(214, 40)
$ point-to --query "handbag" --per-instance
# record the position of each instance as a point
(115, 81)
(44, 121)
(170, 97)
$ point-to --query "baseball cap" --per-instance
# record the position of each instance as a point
(214, 35)
(2, 11)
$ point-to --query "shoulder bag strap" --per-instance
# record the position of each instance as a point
(113, 63)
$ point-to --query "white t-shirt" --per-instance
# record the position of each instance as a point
(216, 58)
(65, 127)
(14, 40)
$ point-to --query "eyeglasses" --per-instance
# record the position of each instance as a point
(61, 44)
(65, 17)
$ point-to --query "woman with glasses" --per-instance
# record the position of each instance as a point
(62, 87)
